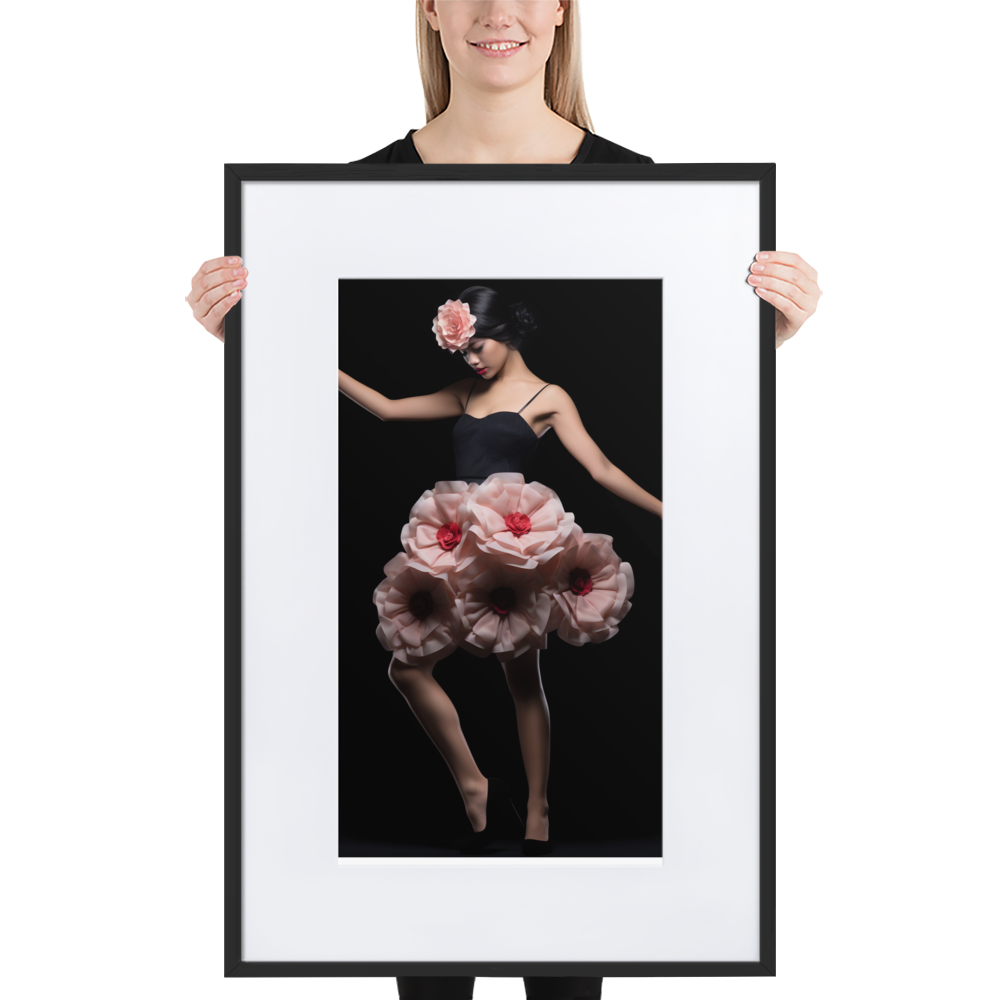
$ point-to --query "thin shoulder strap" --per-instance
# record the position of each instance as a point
(467, 398)
(547, 384)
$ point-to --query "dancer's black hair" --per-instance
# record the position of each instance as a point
(499, 318)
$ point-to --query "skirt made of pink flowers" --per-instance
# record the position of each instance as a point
(493, 568)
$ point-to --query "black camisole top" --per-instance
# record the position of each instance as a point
(499, 442)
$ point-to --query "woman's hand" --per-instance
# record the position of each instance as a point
(215, 289)
(789, 284)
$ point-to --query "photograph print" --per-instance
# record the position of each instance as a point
(500, 570)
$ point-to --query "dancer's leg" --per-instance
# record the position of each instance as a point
(436, 713)
(524, 679)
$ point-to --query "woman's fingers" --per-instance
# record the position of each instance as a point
(789, 284)
(215, 288)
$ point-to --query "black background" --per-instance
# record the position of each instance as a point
(601, 340)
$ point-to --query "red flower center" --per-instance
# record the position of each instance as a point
(421, 604)
(502, 599)
(448, 535)
(580, 581)
(518, 523)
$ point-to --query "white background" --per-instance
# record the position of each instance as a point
(700, 901)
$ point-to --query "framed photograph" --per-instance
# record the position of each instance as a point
(500, 549)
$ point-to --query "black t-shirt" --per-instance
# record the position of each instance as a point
(594, 149)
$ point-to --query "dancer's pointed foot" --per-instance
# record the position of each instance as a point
(475, 804)
(537, 825)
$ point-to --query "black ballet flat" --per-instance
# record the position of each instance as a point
(497, 794)
(536, 847)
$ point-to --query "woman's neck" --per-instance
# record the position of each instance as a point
(504, 129)
(513, 373)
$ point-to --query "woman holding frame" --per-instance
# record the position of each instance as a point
(503, 84)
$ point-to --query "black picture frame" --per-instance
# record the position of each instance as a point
(234, 964)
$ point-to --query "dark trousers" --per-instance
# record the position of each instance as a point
(535, 987)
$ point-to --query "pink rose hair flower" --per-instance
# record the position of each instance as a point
(516, 523)
(417, 613)
(454, 325)
(590, 588)
(434, 531)
(503, 609)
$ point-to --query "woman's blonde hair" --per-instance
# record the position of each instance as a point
(563, 71)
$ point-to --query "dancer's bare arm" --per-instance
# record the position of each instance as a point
(565, 419)
(446, 402)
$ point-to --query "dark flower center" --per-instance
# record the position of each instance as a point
(421, 604)
(502, 599)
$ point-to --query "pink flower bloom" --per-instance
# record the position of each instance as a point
(590, 588)
(454, 325)
(517, 523)
(434, 531)
(503, 609)
(417, 613)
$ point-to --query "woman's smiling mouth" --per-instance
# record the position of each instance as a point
(498, 49)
